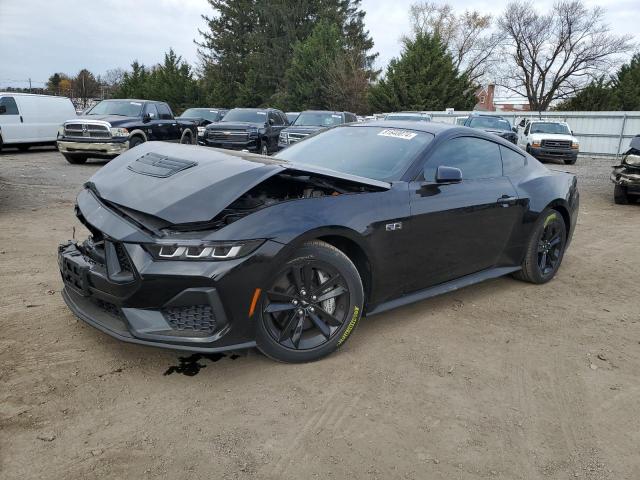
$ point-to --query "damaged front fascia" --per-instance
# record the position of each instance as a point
(625, 175)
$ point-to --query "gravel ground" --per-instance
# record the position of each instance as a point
(502, 380)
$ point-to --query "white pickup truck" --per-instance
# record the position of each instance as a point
(548, 140)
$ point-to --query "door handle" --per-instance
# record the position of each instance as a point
(506, 200)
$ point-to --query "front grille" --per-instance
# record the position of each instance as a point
(296, 137)
(86, 130)
(123, 258)
(556, 143)
(227, 136)
(194, 318)
(109, 308)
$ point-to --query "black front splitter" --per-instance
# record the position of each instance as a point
(117, 329)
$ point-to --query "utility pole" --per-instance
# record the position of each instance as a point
(29, 85)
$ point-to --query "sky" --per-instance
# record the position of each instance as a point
(40, 37)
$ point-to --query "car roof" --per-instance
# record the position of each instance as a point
(435, 128)
(266, 109)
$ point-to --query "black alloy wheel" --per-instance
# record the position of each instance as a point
(264, 149)
(312, 306)
(545, 249)
(550, 248)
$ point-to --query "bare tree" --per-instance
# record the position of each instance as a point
(551, 56)
(467, 36)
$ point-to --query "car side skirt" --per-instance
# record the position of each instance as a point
(443, 288)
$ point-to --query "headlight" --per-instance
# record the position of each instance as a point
(575, 145)
(252, 132)
(210, 251)
(284, 137)
(61, 131)
(632, 159)
(201, 130)
(119, 132)
(535, 144)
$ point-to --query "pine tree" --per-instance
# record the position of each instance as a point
(627, 85)
(422, 78)
(599, 95)
(249, 44)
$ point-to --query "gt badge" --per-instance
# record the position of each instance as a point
(390, 227)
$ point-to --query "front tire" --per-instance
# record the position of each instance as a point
(311, 306)
(75, 159)
(571, 161)
(264, 147)
(620, 195)
(545, 249)
(135, 141)
(186, 138)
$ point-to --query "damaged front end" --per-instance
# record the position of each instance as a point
(160, 266)
(626, 176)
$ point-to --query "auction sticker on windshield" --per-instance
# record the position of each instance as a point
(395, 133)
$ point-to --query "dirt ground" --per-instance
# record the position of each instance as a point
(503, 380)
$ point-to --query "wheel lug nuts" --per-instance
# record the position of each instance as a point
(300, 311)
(314, 298)
(294, 301)
(311, 309)
(303, 292)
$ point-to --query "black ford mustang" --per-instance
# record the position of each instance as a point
(210, 250)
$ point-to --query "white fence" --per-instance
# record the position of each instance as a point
(599, 133)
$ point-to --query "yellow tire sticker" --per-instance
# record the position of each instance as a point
(550, 218)
(352, 324)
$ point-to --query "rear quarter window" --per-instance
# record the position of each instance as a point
(512, 162)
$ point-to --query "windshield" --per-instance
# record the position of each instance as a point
(372, 152)
(117, 107)
(492, 123)
(408, 118)
(211, 115)
(242, 115)
(550, 127)
(318, 119)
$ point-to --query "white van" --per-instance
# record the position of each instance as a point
(27, 119)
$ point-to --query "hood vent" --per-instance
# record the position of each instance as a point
(160, 166)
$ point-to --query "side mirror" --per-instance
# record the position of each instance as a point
(573, 134)
(271, 122)
(448, 175)
(146, 118)
(3, 109)
(514, 129)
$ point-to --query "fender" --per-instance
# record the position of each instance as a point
(138, 131)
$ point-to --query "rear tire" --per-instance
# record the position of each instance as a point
(545, 249)
(620, 195)
(311, 306)
(186, 139)
(75, 159)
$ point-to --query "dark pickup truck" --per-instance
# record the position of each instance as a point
(312, 121)
(114, 126)
(251, 129)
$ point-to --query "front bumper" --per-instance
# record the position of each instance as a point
(108, 148)
(543, 153)
(117, 286)
(627, 177)
(252, 145)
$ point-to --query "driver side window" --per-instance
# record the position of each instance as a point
(151, 110)
(475, 157)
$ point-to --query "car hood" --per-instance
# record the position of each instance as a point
(200, 122)
(235, 125)
(551, 136)
(190, 184)
(114, 120)
(307, 129)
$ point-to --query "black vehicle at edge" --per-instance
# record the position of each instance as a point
(111, 127)
(492, 124)
(251, 129)
(232, 250)
(626, 176)
(203, 116)
(310, 122)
